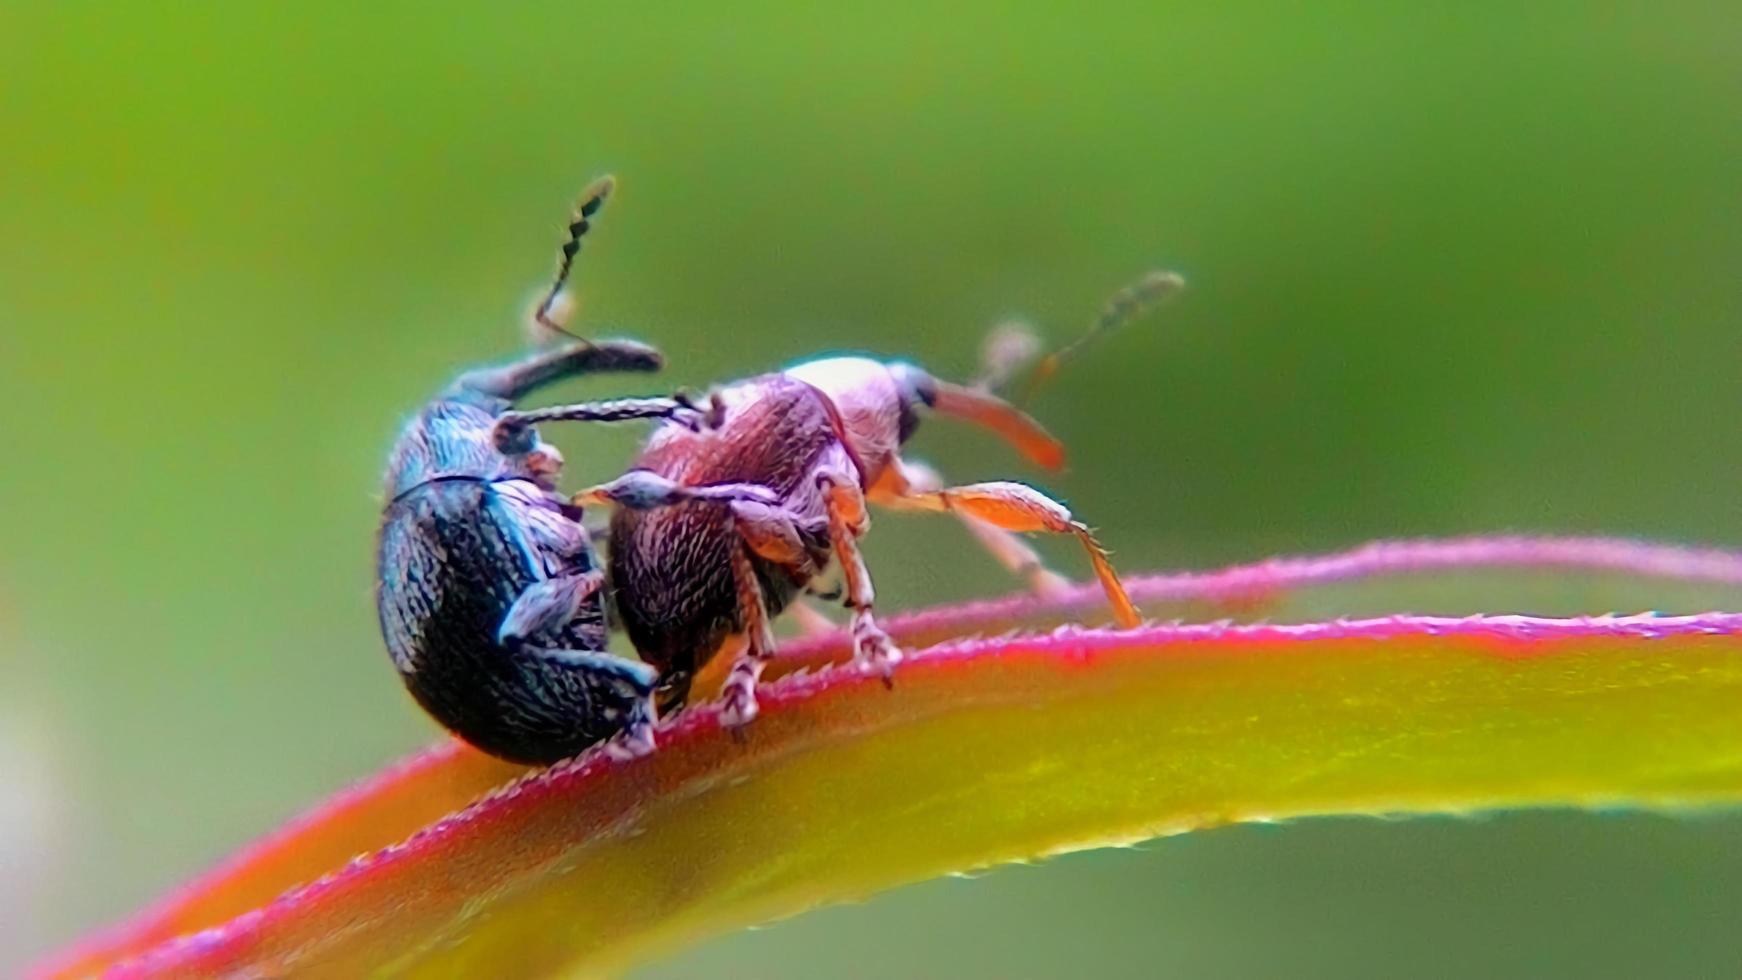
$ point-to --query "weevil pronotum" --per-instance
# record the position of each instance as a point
(490, 595)
(790, 461)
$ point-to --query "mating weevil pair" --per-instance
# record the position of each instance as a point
(494, 604)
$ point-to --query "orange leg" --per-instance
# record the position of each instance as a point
(1020, 508)
(778, 535)
(775, 533)
(873, 650)
(906, 478)
(738, 695)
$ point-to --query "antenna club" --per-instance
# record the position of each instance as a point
(547, 315)
(594, 197)
(1165, 279)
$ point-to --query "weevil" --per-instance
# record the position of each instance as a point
(790, 463)
(489, 590)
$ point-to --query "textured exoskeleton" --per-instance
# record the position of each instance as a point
(489, 591)
(787, 467)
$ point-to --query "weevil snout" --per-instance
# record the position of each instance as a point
(916, 385)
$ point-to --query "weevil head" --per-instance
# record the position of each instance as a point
(460, 439)
(542, 465)
(973, 404)
(524, 456)
(874, 400)
(915, 388)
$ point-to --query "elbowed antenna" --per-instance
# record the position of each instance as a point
(1128, 304)
(1008, 348)
(586, 207)
(1013, 344)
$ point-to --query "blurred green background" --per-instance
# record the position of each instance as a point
(1454, 269)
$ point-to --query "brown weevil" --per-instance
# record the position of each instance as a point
(489, 591)
(790, 462)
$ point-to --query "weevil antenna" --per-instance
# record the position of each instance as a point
(1123, 307)
(1007, 349)
(586, 208)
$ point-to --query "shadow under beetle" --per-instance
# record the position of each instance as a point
(490, 594)
(788, 465)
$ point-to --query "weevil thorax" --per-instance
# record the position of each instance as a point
(877, 403)
(454, 439)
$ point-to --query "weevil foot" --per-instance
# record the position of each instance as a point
(873, 651)
(738, 705)
(636, 739)
(632, 743)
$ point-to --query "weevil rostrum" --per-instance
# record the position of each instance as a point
(791, 460)
(490, 594)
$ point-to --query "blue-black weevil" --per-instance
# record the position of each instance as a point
(489, 590)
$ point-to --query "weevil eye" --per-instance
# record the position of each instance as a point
(917, 388)
(513, 437)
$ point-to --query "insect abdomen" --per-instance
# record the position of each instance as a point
(670, 567)
(449, 570)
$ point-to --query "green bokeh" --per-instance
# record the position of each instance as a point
(1454, 269)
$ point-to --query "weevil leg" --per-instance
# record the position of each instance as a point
(541, 610)
(873, 650)
(547, 606)
(774, 534)
(609, 689)
(778, 534)
(908, 477)
(738, 695)
(516, 380)
(1021, 508)
(632, 676)
(781, 536)
(637, 738)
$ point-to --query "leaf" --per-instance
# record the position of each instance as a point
(989, 751)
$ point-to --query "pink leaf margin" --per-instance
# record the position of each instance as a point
(1236, 584)
(1241, 584)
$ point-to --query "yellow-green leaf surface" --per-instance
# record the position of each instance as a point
(989, 751)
